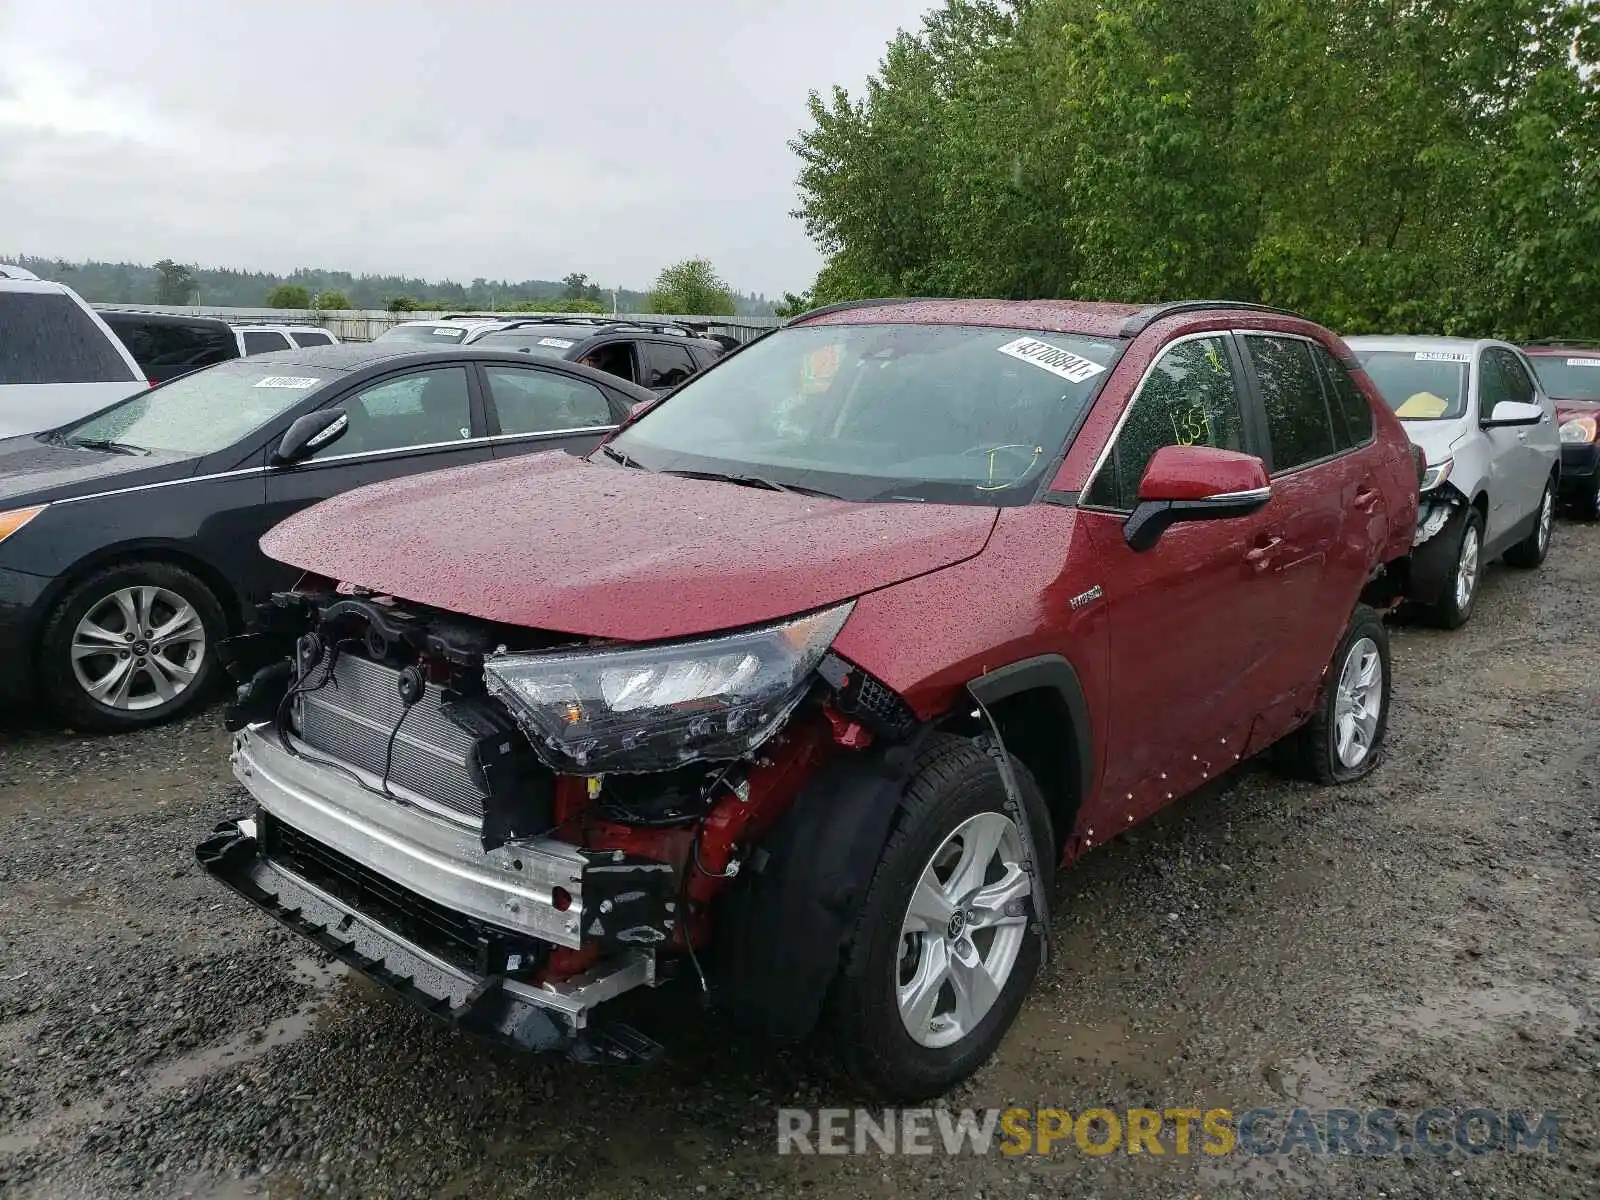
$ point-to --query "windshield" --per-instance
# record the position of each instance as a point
(539, 343)
(1420, 385)
(956, 414)
(442, 334)
(1568, 378)
(206, 411)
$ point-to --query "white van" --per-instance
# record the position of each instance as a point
(58, 360)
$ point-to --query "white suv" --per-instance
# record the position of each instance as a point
(1488, 430)
(58, 361)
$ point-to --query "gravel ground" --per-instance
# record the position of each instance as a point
(1429, 936)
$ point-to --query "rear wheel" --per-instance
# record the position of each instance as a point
(944, 951)
(1344, 738)
(131, 646)
(1531, 550)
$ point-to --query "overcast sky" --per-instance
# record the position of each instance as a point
(494, 138)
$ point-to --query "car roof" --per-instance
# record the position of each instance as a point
(1088, 318)
(7, 271)
(1560, 349)
(152, 318)
(1406, 342)
(349, 357)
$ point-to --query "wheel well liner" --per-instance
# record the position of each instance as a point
(1063, 767)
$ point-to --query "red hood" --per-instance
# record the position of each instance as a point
(1567, 409)
(554, 542)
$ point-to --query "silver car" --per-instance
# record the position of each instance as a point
(1477, 411)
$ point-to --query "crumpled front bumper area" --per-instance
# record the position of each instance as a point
(488, 1007)
(414, 903)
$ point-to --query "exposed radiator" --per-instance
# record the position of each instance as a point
(350, 718)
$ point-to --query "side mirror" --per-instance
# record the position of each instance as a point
(309, 434)
(1195, 483)
(1512, 413)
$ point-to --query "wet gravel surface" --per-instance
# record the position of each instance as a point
(1430, 936)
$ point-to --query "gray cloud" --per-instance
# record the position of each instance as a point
(498, 139)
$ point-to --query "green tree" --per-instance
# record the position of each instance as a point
(1427, 165)
(400, 304)
(577, 286)
(691, 288)
(288, 295)
(175, 283)
(793, 305)
(334, 300)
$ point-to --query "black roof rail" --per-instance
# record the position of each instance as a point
(1146, 317)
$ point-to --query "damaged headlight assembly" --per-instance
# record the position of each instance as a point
(653, 708)
(1437, 474)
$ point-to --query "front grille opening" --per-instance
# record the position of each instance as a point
(458, 939)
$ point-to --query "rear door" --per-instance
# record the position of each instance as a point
(537, 408)
(1325, 499)
(1182, 706)
(400, 424)
(58, 361)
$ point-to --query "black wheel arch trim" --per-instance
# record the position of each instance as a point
(1048, 672)
(176, 554)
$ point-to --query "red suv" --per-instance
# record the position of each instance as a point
(1570, 373)
(804, 685)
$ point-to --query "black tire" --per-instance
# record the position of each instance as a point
(67, 696)
(1312, 751)
(953, 781)
(1533, 549)
(1448, 612)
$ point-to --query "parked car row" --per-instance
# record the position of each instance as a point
(799, 684)
(657, 355)
(167, 345)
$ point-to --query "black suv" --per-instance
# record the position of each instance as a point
(656, 355)
(167, 345)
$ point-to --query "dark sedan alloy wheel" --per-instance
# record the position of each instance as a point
(138, 648)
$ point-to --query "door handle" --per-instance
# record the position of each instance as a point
(1366, 497)
(1258, 555)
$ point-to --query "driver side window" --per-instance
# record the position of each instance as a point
(1189, 399)
(420, 409)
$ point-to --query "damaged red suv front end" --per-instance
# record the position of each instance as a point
(803, 685)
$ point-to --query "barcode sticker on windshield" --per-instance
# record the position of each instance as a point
(1461, 356)
(449, 333)
(288, 381)
(1054, 359)
(558, 343)
(1583, 362)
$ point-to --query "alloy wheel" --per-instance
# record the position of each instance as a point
(138, 648)
(1358, 703)
(1547, 514)
(963, 931)
(1467, 568)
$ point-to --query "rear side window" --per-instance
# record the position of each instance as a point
(1297, 416)
(165, 346)
(1352, 415)
(310, 337)
(261, 341)
(1189, 399)
(664, 366)
(530, 401)
(46, 338)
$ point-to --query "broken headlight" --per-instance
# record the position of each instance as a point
(656, 707)
(1437, 474)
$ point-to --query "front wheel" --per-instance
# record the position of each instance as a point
(1531, 550)
(944, 950)
(1454, 607)
(131, 646)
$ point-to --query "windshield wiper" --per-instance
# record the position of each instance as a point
(109, 447)
(755, 481)
(619, 456)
